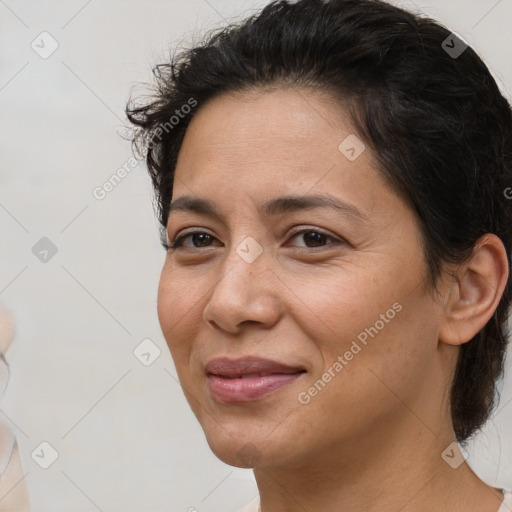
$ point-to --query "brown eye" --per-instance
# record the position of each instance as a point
(199, 237)
(315, 237)
(312, 238)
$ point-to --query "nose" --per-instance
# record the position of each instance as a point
(246, 293)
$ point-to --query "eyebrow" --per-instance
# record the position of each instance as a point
(272, 207)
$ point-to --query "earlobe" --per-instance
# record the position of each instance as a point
(476, 292)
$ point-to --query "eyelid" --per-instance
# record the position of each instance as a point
(182, 235)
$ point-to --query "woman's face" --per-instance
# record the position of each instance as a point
(342, 306)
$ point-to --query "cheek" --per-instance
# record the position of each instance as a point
(344, 303)
(388, 352)
(377, 318)
(174, 307)
(165, 304)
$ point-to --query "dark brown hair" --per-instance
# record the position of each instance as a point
(421, 99)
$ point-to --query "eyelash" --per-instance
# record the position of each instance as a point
(179, 241)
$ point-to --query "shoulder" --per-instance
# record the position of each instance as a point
(253, 506)
(507, 501)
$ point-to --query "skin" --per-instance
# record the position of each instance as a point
(372, 438)
(13, 486)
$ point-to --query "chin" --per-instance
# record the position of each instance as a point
(237, 450)
(250, 449)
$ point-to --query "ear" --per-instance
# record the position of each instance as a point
(476, 292)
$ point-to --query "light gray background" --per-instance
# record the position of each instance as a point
(125, 436)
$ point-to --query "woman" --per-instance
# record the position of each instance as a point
(331, 181)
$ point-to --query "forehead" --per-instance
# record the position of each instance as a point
(245, 148)
(290, 132)
(245, 152)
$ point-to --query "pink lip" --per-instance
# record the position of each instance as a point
(248, 379)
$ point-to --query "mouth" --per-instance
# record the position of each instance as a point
(248, 379)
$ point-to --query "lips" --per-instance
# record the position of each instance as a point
(233, 368)
(248, 379)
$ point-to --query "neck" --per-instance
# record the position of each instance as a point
(395, 469)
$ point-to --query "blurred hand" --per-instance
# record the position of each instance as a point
(13, 489)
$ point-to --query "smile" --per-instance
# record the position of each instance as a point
(248, 379)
